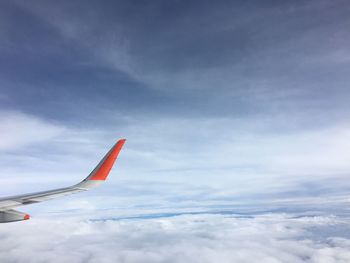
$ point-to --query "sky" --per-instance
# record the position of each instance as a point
(236, 120)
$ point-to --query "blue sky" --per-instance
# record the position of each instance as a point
(232, 105)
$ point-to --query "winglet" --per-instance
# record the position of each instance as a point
(100, 173)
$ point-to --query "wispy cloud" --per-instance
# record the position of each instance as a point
(236, 156)
(19, 130)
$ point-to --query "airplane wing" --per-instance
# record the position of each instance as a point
(96, 177)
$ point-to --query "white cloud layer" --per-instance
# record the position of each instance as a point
(197, 238)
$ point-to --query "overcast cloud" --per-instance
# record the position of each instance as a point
(232, 106)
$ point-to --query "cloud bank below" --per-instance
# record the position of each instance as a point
(269, 238)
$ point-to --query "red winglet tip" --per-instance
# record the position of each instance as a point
(106, 166)
(26, 217)
(119, 145)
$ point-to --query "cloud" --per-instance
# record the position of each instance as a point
(19, 130)
(225, 46)
(198, 238)
(223, 105)
(187, 59)
(236, 152)
(231, 156)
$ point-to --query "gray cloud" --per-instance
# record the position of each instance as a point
(180, 58)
